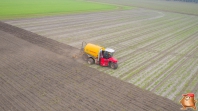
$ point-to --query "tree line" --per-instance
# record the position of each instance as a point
(195, 1)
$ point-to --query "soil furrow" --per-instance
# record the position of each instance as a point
(6, 105)
(15, 98)
(21, 89)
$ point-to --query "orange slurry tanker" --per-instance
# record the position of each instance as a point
(99, 55)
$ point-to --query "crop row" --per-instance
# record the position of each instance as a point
(158, 57)
(153, 35)
(177, 80)
(125, 33)
(171, 66)
(117, 40)
(108, 35)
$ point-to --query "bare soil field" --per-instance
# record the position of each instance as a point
(156, 50)
(37, 73)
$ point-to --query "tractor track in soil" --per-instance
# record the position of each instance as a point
(39, 74)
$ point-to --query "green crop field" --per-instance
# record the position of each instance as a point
(30, 8)
(164, 5)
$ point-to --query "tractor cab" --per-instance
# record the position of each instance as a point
(108, 53)
(107, 59)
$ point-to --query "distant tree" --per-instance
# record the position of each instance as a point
(195, 1)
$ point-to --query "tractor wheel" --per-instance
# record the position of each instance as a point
(85, 57)
(114, 65)
(90, 61)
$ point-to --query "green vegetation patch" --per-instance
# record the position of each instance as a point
(164, 5)
(31, 8)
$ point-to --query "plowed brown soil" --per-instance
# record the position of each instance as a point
(37, 73)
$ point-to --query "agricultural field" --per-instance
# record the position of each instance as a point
(38, 74)
(10, 9)
(179, 6)
(156, 50)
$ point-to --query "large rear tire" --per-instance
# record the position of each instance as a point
(114, 65)
(90, 61)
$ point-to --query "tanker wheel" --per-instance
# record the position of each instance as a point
(90, 61)
(85, 57)
(114, 65)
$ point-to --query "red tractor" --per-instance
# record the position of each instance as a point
(99, 55)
